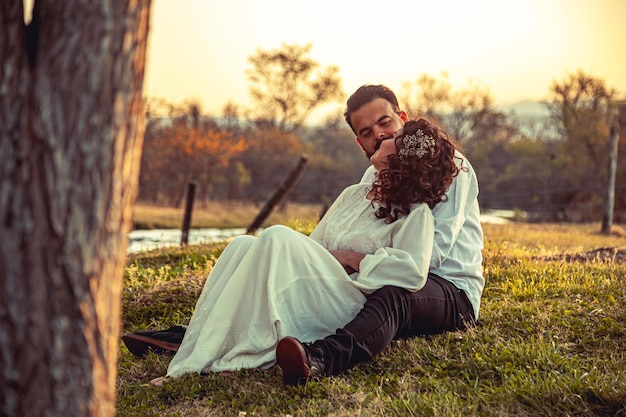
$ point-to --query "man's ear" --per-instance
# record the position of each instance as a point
(403, 116)
(359, 142)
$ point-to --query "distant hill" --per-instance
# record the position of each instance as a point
(531, 115)
(525, 108)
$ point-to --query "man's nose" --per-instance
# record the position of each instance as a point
(380, 134)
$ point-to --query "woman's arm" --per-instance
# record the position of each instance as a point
(405, 264)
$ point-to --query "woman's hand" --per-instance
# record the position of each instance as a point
(350, 260)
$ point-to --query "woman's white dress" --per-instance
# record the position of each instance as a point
(284, 283)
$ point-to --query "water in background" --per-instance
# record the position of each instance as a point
(142, 240)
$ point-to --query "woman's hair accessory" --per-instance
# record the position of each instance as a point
(417, 144)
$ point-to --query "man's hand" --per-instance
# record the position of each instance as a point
(350, 260)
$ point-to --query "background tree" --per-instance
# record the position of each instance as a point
(463, 113)
(287, 85)
(426, 97)
(271, 156)
(471, 113)
(335, 161)
(233, 159)
(71, 126)
(582, 108)
(183, 146)
(524, 180)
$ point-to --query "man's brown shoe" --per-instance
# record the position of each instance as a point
(160, 341)
(296, 362)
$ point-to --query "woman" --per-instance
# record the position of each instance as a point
(284, 283)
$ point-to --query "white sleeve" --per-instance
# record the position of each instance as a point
(450, 215)
(405, 264)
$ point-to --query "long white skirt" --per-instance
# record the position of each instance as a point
(261, 289)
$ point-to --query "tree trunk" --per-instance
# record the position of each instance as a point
(71, 129)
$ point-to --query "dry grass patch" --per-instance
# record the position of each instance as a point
(221, 215)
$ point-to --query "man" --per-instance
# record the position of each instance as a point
(449, 301)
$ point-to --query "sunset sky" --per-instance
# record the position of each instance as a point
(199, 49)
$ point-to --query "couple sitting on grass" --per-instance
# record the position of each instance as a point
(397, 255)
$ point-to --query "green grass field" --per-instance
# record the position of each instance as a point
(551, 340)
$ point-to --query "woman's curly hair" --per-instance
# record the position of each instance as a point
(415, 179)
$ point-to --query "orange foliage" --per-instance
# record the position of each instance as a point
(215, 144)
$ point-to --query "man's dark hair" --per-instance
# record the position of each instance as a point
(365, 94)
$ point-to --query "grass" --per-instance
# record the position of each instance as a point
(551, 341)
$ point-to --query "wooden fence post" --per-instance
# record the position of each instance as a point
(607, 219)
(278, 195)
(191, 189)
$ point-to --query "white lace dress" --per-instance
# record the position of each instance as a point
(284, 283)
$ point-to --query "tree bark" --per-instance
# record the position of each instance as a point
(71, 129)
